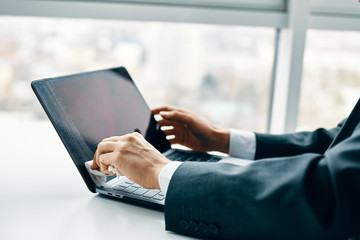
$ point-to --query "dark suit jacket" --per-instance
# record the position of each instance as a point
(306, 186)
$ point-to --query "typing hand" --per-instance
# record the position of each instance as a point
(132, 156)
(192, 131)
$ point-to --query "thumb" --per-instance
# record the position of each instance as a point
(94, 166)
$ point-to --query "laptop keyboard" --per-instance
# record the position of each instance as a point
(130, 187)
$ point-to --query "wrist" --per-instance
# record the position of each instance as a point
(157, 171)
(221, 140)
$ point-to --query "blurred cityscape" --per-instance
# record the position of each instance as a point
(220, 72)
(331, 78)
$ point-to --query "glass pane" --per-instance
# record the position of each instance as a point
(220, 72)
(331, 78)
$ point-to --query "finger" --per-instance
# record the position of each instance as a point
(167, 109)
(96, 162)
(120, 138)
(104, 168)
(103, 147)
(106, 160)
(169, 131)
(111, 139)
(163, 108)
(164, 122)
(94, 165)
(176, 116)
(173, 141)
(107, 172)
(106, 147)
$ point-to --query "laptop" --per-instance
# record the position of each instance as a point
(85, 108)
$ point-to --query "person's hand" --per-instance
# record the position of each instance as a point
(192, 131)
(133, 156)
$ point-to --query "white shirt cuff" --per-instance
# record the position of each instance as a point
(242, 144)
(166, 174)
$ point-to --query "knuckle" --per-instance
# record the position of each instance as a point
(120, 150)
(101, 145)
(175, 114)
(189, 116)
(101, 159)
(131, 137)
(128, 137)
(136, 134)
(123, 152)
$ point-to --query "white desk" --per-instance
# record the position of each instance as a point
(42, 195)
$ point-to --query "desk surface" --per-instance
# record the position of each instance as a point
(43, 196)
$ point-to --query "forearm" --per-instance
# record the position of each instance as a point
(270, 145)
(248, 145)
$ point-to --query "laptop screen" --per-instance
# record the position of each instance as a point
(88, 107)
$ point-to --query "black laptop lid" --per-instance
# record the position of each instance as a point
(88, 107)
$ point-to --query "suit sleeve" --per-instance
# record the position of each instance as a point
(316, 196)
(271, 145)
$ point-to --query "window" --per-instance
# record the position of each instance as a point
(221, 72)
(331, 78)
